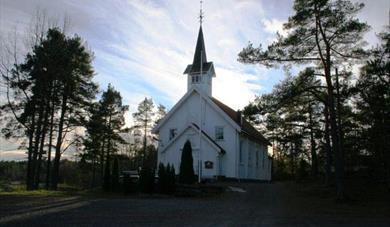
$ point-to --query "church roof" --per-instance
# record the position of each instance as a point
(200, 58)
(192, 70)
(246, 127)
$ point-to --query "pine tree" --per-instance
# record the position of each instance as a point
(143, 119)
(373, 105)
(187, 175)
(93, 142)
(76, 91)
(55, 81)
(325, 33)
(171, 179)
(291, 117)
(112, 112)
(160, 114)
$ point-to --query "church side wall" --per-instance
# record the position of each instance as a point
(255, 163)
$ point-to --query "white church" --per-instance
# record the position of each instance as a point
(224, 144)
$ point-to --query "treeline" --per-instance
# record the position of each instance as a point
(12, 171)
(323, 118)
(72, 174)
(47, 96)
(51, 107)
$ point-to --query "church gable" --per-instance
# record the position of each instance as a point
(190, 101)
(188, 134)
(179, 117)
(187, 112)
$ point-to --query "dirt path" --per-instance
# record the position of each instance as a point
(278, 204)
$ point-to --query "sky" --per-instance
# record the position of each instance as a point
(142, 47)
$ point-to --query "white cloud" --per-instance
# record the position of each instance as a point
(274, 25)
(9, 155)
(143, 47)
(228, 87)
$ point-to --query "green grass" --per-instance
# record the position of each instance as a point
(40, 192)
(17, 189)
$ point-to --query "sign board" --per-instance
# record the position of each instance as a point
(208, 164)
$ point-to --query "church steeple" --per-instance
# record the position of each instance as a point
(200, 72)
(200, 58)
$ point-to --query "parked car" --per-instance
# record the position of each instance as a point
(129, 180)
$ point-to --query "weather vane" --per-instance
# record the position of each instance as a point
(201, 15)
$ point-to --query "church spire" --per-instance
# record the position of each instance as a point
(200, 59)
(200, 52)
(201, 13)
(200, 72)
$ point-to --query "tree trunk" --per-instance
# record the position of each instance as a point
(339, 121)
(328, 149)
(334, 132)
(30, 178)
(93, 183)
(57, 157)
(107, 172)
(42, 143)
(38, 136)
(314, 159)
(292, 160)
(39, 164)
(102, 154)
(144, 148)
(48, 165)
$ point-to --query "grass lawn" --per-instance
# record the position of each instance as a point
(18, 189)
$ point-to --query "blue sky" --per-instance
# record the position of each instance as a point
(143, 46)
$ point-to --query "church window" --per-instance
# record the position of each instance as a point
(172, 133)
(263, 159)
(241, 150)
(196, 79)
(219, 133)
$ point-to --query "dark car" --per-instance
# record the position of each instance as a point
(129, 180)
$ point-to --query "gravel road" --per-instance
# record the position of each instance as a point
(277, 204)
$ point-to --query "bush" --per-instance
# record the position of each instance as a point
(302, 172)
(146, 180)
(187, 175)
(162, 178)
(171, 179)
(166, 179)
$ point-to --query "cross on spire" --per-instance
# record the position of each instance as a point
(201, 15)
